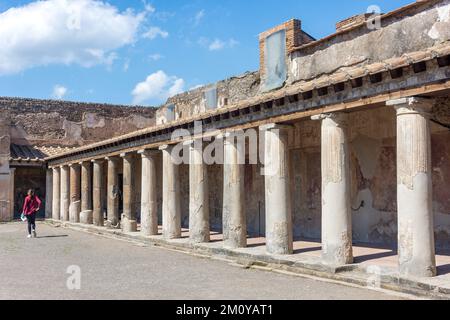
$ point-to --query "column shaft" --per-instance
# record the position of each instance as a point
(75, 193)
(113, 193)
(198, 195)
(233, 213)
(97, 194)
(416, 246)
(48, 193)
(65, 195)
(86, 215)
(336, 206)
(171, 196)
(56, 203)
(279, 230)
(149, 204)
(129, 223)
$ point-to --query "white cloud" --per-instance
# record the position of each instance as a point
(199, 17)
(155, 57)
(157, 87)
(154, 32)
(217, 44)
(83, 32)
(126, 65)
(59, 92)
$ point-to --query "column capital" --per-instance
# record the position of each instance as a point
(127, 155)
(146, 153)
(73, 165)
(114, 158)
(275, 126)
(338, 117)
(97, 160)
(412, 105)
(166, 147)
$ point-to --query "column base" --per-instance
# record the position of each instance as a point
(128, 225)
(112, 225)
(86, 217)
(74, 211)
(418, 269)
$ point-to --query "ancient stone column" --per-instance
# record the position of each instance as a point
(149, 203)
(12, 193)
(416, 247)
(65, 193)
(113, 193)
(97, 194)
(48, 193)
(75, 193)
(234, 219)
(279, 229)
(129, 223)
(337, 246)
(171, 195)
(56, 203)
(198, 194)
(86, 215)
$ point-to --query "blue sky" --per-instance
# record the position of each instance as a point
(140, 52)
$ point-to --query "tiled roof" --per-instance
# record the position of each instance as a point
(33, 153)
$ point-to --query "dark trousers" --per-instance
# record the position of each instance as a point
(31, 219)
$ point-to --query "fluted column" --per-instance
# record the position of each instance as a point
(149, 203)
(171, 195)
(234, 218)
(86, 215)
(75, 193)
(198, 194)
(97, 194)
(65, 193)
(56, 203)
(279, 229)
(113, 193)
(337, 248)
(416, 246)
(129, 223)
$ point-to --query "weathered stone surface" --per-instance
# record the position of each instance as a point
(48, 122)
(336, 207)
(416, 247)
(113, 193)
(400, 34)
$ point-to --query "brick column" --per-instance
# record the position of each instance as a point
(234, 218)
(65, 195)
(171, 195)
(198, 194)
(129, 223)
(75, 193)
(56, 203)
(86, 215)
(48, 193)
(337, 246)
(416, 247)
(149, 203)
(97, 193)
(113, 193)
(279, 230)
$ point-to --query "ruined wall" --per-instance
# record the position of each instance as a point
(229, 91)
(60, 123)
(399, 34)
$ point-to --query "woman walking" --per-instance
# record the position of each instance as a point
(31, 206)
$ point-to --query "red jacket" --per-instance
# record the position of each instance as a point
(31, 205)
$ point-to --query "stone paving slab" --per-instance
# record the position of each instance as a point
(383, 275)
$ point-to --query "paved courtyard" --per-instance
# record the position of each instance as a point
(114, 269)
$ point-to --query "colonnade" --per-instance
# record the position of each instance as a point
(76, 199)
